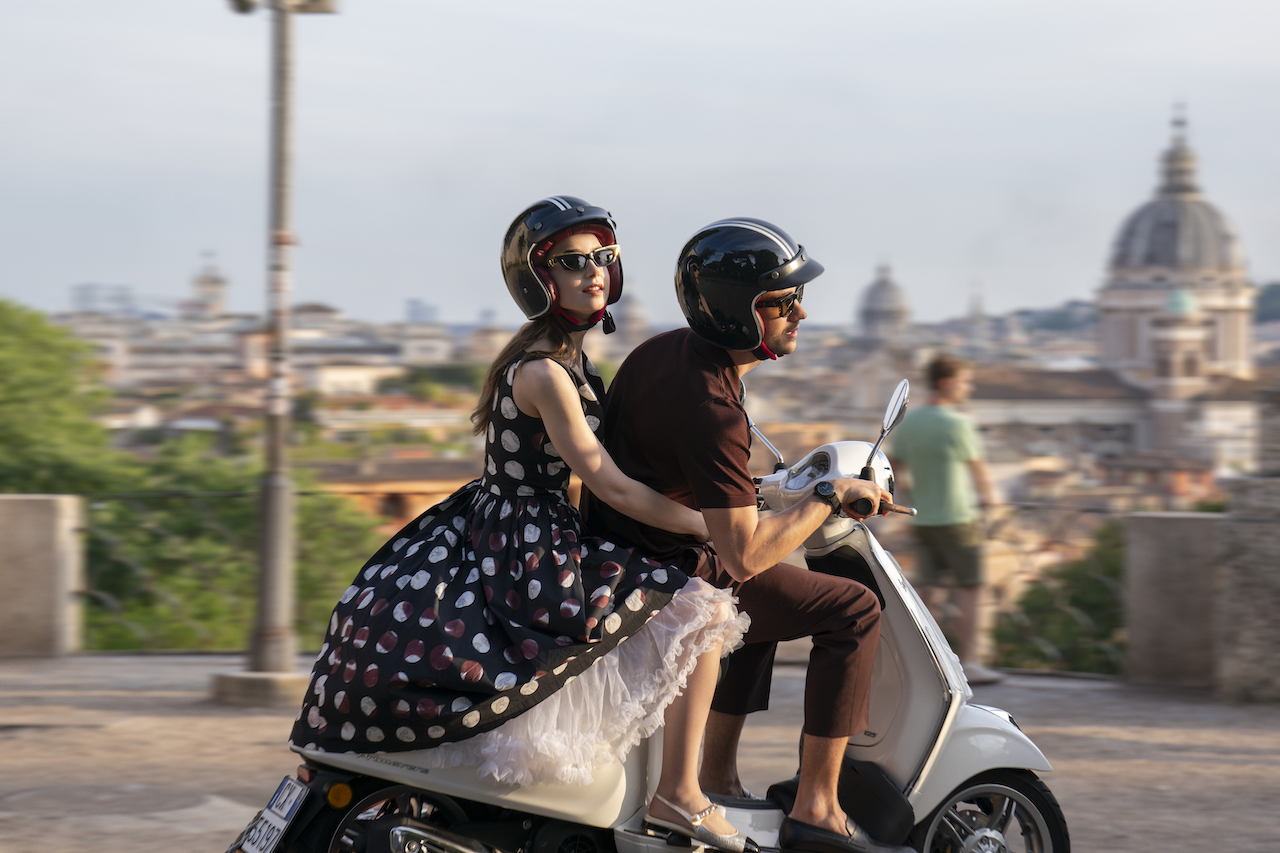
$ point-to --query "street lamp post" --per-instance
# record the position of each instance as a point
(273, 647)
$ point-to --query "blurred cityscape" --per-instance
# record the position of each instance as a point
(1144, 396)
(1143, 399)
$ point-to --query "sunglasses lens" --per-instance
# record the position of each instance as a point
(793, 300)
(785, 304)
(575, 262)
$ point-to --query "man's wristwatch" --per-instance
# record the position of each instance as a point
(827, 492)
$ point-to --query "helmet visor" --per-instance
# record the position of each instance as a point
(795, 272)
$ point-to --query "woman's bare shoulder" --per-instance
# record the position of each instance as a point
(544, 373)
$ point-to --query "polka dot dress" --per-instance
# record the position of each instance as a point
(483, 606)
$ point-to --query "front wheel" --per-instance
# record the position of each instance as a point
(1004, 811)
(344, 830)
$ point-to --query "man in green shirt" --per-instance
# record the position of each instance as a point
(941, 448)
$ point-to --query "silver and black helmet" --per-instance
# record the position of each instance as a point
(531, 235)
(726, 267)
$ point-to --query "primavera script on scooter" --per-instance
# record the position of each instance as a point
(933, 770)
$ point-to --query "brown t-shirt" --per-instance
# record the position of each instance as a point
(675, 422)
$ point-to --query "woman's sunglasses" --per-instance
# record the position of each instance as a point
(577, 261)
(785, 304)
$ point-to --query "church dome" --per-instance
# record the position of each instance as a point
(885, 311)
(1178, 229)
(885, 297)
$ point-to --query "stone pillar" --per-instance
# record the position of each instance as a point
(41, 573)
(1269, 433)
(1171, 559)
(1248, 650)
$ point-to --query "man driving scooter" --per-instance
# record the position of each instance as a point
(675, 421)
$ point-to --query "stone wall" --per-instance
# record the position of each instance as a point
(1248, 601)
(41, 574)
(1171, 563)
(1269, 433)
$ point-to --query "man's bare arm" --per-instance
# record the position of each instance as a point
(748, 544)
(982, 483)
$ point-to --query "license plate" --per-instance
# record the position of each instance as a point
(265, 831)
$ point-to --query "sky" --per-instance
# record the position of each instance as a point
(974, 145)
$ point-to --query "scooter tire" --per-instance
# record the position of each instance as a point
(995, 802)
(341, 830)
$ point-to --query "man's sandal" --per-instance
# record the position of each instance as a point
(736, 843)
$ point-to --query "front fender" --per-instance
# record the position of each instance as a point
(981, 739)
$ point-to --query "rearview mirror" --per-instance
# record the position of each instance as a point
(897, 408)
(897, 405)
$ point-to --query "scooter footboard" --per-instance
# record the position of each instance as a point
(867, 795)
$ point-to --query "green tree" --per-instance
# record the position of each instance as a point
(177, 568)
(1268, 304)
(172, 540)
(435, 382)
(607, 370)
(49, 394)
(1073, 618)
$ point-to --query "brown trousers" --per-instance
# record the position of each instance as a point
(786, 603)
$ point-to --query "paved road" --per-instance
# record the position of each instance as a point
(126, 753)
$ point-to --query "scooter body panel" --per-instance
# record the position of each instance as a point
(978, 739)
(915, 679)
(618, 792)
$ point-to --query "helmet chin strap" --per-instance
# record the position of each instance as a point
(763, 353)
(570, 324)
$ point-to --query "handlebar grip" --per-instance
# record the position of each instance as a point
(863, 506)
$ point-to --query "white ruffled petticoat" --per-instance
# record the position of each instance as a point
(599, 716)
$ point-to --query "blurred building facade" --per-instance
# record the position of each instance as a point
(200, 343)
(1170, 404)
(1148, 392)
(1158, 371)
(1177, 241)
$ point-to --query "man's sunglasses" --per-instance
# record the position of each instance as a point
(785, 304)
(577, 261)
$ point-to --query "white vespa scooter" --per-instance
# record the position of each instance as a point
(932, 770)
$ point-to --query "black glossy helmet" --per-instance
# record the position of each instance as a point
(726, 267)
(534, 231)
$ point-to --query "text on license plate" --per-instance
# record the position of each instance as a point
(269, 826)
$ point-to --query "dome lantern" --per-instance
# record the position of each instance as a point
(1179, 164)
(1178, 230)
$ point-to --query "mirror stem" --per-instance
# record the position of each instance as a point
(872, 454)
(780, 464)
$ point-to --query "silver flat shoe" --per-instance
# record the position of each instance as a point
(736, 843)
